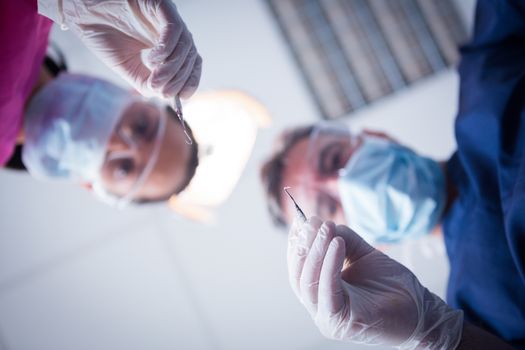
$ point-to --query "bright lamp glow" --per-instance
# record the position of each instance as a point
(225, 124)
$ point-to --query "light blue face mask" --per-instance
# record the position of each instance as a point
(67, 126)
(390, 193)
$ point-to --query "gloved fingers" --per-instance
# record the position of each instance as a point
(166, 12)
(124, 58)
(175, 37)
(296, 226)
(356, 247)
(293, 237)
(304, 239)
(135, 74)
(172, 66)
(170, 36)
(190, 86)
(175, 85)
(182, 49)
(331, 296)
(309, 282)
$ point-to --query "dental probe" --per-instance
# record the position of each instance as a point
(177, 107)
(299, 213)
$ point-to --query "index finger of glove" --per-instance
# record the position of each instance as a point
(331, 296)
(299, 242)
(170, 36)
(167, 12)
(313, 264)
(174, 86)
(190, 86)
(164, 22)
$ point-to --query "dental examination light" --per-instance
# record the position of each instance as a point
(225, 124)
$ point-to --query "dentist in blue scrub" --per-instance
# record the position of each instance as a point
(356, 293)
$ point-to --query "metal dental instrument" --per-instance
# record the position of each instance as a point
(177, 107)
(298, 212)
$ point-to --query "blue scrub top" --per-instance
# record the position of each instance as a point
(485, 227)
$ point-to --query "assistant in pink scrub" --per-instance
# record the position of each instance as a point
(24, 37)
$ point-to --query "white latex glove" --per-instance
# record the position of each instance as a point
(356, 293)
(145, 41)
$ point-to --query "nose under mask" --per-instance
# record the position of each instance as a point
(389, 193)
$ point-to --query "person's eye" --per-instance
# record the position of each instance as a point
(327, 207)
(332, 160)
(331, 207)
(336, 161)
(140, 127)
(123, 169)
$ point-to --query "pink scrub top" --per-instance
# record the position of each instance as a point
(23, 43)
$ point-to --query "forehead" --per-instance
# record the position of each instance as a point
(302, 158)
(136, 109)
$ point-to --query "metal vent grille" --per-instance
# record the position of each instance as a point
(353, 52)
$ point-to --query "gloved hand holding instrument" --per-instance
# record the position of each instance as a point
(356, 293)
(145, 41)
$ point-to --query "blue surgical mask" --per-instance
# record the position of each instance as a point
(390, 193)
(68, 125)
